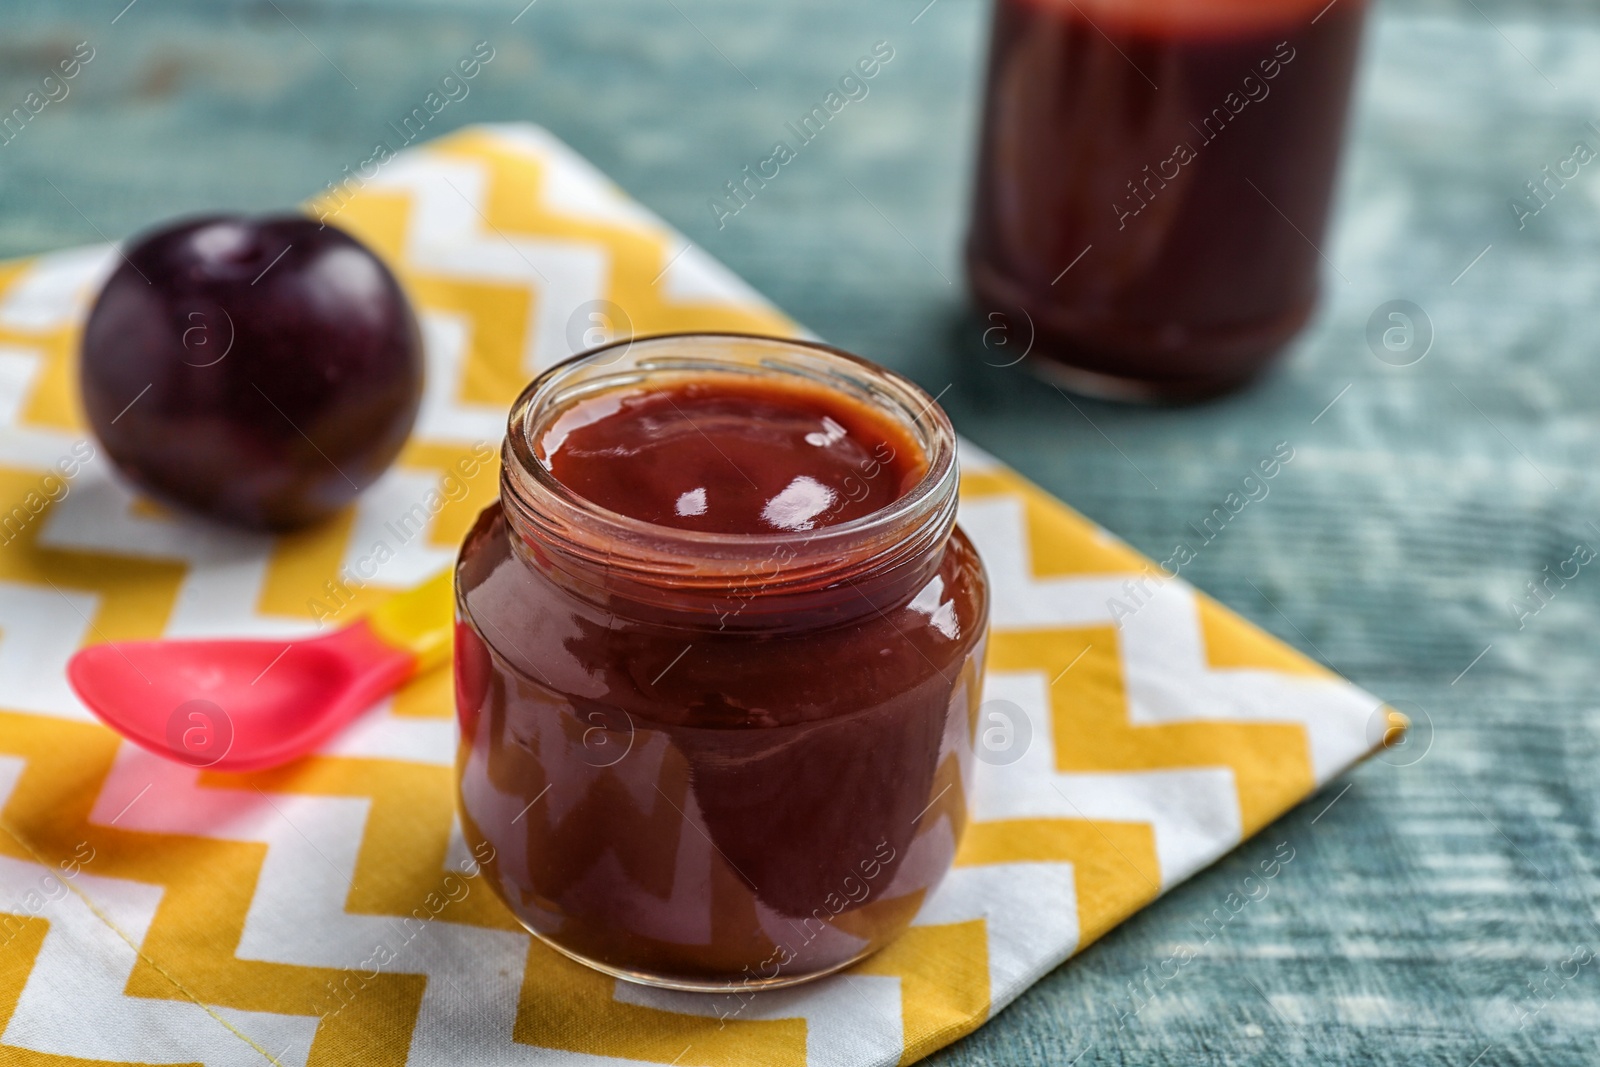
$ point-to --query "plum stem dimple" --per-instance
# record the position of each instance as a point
(274, 263)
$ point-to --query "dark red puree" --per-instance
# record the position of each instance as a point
(708, 772)
(1186, 151)
(727, 456)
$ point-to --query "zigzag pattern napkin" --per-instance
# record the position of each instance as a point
(319, 914)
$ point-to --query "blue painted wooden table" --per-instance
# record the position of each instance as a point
(1444, 895)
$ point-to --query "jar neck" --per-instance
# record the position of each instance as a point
(768, 581)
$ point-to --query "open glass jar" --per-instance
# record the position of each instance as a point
(712, 760)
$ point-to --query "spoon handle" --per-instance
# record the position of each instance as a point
(420, 620)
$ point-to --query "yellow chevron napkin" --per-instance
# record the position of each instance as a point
(328, 913)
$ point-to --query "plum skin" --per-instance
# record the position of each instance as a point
(258, 371)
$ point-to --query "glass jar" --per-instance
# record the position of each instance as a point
(1153, 184)
(706, 760)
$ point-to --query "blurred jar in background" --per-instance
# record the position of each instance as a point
(1153, 183)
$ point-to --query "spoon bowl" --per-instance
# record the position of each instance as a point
(241, 705)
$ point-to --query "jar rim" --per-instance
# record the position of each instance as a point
(574, 524)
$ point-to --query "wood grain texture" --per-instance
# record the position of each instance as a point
(1423, 902)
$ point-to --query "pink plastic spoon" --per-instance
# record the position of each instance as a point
(242, 705)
